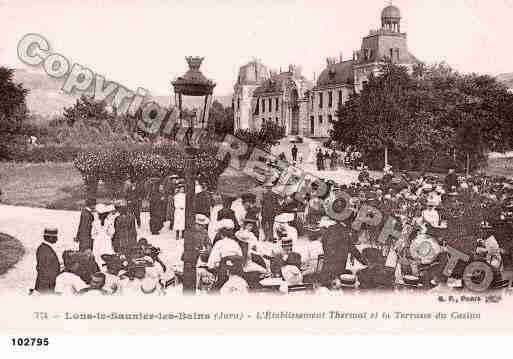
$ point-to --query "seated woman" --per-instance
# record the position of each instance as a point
(254, 261)
(235, 283)
(225, 246)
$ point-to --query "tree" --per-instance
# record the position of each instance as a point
(13, 110)
(222, 118)
(88, 110)
(427, 116)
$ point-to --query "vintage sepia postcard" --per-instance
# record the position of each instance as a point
(269, 167)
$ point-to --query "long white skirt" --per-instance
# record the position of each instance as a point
(179, 222)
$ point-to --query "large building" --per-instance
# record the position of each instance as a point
(307, 109)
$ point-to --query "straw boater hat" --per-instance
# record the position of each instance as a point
(202, 219)
(104, 208)
(284, 218)
(348, 279)
(148, 285)
(225, 224)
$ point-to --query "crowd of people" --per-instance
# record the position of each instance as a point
(327, 159)
(266, 243)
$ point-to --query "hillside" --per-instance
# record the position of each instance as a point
(46, 98)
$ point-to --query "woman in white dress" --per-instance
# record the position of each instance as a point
(179, 216)
(102, 234)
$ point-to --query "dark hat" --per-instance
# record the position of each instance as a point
(228, 199)
(250, 220)
(90, 202)
(248, 197)
(50, 233)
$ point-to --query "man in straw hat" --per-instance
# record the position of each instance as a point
(47, 266)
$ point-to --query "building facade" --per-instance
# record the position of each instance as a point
(307, 109)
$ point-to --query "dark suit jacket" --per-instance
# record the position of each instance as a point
(85, 240)
(202, 203)
(270, 205)
(337, 243)
(47, 267)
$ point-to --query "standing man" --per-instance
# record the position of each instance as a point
(125, 232)
(158, 208)
(337, 243)
(133, 197)
(294, 153)
(451, 181)
(202, 200)
(84, 237)
(48, 267)
(270, 206)
(169, 184)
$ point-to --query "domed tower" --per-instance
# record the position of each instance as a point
(385, 44)
(391, 18)
(250, 76)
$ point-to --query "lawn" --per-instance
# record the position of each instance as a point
(59, 185)
(11, 251)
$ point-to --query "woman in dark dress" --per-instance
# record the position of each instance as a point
(158, 208)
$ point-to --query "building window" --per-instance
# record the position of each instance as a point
(391, 54)
(320, 100)
(312, 125)
(330, 118)
(270, 105)
(397, 54)
(257, 107)
(238, 103)
(263, 105)
(277, 120)
(330, 99)
(277, 104)
(340, 99)
(320, 119)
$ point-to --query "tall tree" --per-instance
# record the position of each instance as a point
(13, 109)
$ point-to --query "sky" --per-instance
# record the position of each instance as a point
(144, 43)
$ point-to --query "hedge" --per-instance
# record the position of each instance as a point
(117, 165)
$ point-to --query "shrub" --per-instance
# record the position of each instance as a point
(114, 165)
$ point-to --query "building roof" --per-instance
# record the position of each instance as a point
(253, 73)
(336, 74)
(277, 82)
(391, 11)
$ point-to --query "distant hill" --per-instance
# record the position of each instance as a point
(506, 79)
(46, 98)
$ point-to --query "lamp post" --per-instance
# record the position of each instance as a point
(195, 84)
